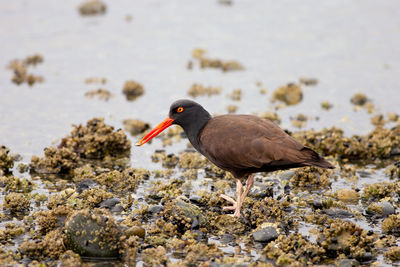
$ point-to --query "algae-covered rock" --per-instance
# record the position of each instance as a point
(70, 259)
(224, 65)
(6, 160)
(20, 70)
(132, 90)
(359, 99)
(16, 202)
(383, 209)
(391, 225)
(393, 254)
(51, 246)
(379, 143)
(199, 90)
(230, 224)
(155, 256)
(15, 184)
(380, 190)
(347, 238)
(347, 195)
(93, 234)
(311, 177)
(92, 7)
(272, 116)
(96, 141)
(290, 94)
(293, 249)
(135, 127)
(100, 93)
(186, 215)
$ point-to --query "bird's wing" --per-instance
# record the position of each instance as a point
(245, 141)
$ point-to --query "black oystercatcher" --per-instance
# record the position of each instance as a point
(240, 144)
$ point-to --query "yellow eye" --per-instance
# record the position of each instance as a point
(179, 110)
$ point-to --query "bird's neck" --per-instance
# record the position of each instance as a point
(193, 130)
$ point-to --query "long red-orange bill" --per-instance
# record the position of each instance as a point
(153, 133)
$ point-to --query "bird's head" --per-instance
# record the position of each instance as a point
(182, 112)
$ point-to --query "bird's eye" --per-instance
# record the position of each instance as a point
(179, 110)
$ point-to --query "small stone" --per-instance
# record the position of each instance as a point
(92, 7)
(109, 203)
(155, 209)
(227, 238)
(348, 263)
(265, 235)
(359, 99)
(383, 209)
(338, 213)
(85, 185)
(347, 195)
(135, 127)
(308, 81)
(136, 231)
(132, 90)
(290, 94)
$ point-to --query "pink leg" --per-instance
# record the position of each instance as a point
(239, 190)
(249, 185)
(241, 195)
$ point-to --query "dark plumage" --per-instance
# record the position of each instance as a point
(240, 144)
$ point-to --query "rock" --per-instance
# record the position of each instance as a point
(261, 191)
(155, 209)
(383, 209)
(193, 212)
(135, 127)
(109, 203)
(348, 263)
(227, 238)
(367, 256)
(137, 231)
(16, 202)
(92, 7)
(347, 195)
(265, 235)
(85, 185)
(200, 236)
(290, 94)
(132, 90)
(338, 213)
(93, 234)
(317, 204)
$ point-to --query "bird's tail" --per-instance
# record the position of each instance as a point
(314, 159)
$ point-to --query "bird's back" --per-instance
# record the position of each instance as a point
(244, 144)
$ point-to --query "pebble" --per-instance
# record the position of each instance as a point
(265, 235)
(155, 209)
(347, 195)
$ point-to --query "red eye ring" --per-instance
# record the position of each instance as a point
(179, 110)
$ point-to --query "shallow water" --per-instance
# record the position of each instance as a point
(349, 46)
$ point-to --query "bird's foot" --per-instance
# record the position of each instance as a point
(231, 200)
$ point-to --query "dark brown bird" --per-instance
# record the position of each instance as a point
(240, 144)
